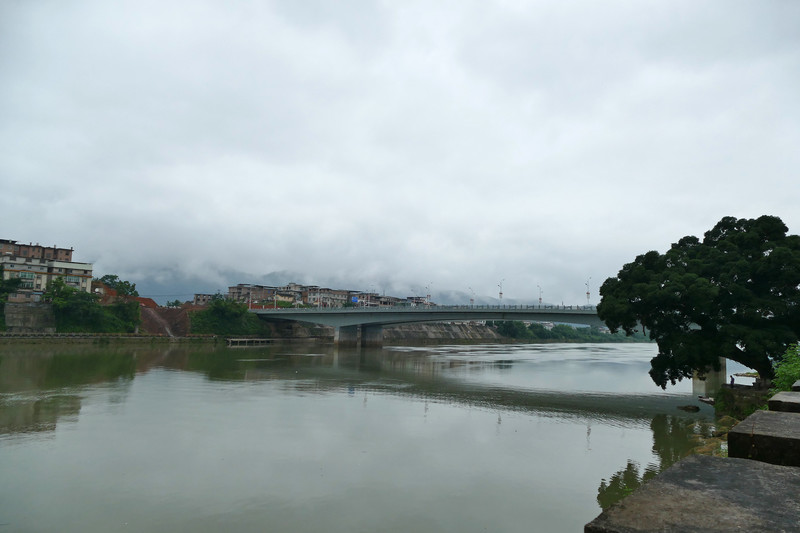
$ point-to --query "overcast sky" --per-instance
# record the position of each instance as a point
(457, 145)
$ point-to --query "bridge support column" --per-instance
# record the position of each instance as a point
(346, 335)
(372, 336)
(708, 383)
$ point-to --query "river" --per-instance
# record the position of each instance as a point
(311, 438)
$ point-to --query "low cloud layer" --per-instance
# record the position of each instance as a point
(392, 146)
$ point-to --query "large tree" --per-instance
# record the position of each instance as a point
(735, 294)
(123, 288)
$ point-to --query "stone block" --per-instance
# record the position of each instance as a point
(768, 436)
(709, 494)
(796, 386)
(788, 402)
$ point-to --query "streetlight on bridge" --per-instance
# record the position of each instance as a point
(501, 287)
(587, 291)
(540, 295)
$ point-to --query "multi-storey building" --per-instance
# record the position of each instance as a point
(324, 297)
(37, 266)
(202, 299)
(35, 251)
(249, 293)
(313, 295)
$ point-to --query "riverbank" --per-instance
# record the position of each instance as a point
(290, 331)
(709, 491)
(102, 338)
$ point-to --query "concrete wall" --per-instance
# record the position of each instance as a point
(29, 318)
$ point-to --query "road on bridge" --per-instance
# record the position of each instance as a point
(375, 316)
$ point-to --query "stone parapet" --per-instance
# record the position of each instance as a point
(787, 402)
(768, 436)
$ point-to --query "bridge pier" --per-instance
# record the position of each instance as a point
(346, 335)
(372, 335)
(708, 383)
(359, 335)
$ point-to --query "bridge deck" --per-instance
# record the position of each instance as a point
(352, 316)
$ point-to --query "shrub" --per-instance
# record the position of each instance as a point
(787, 370)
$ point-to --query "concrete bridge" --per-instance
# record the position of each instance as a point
(364, 325)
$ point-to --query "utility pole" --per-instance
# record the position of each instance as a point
(540, 295)
(587, 291)
(501, 287)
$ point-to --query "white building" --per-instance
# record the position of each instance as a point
(36, 274)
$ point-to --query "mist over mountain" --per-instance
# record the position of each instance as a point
(170, 285)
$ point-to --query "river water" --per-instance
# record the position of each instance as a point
(313, 438)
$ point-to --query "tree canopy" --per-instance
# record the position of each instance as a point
(123, 288)
(735, 294)
(79, 311)
(227, 317)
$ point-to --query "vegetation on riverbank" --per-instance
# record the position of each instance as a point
(536, 332)
(77, 311)
(227, 317)
(787, 370)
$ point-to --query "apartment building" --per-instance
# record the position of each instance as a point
(249, 293)
(202, 299)
(37, 266)
(35, 251)
(313, 295)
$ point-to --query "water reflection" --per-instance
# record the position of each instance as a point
(466, 375)
(36, 385)
(311, 438)
(31, 415)
(673, 439)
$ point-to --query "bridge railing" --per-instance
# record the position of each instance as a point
(431, 308)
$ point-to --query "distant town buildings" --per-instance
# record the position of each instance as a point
(37, 266)
(259, 296)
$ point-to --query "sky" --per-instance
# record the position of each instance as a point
(442, 147)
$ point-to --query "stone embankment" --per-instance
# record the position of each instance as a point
(754, 489)
(171, 322)
(29, 318)
(439, 332)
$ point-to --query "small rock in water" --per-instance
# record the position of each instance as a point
(689, 408)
